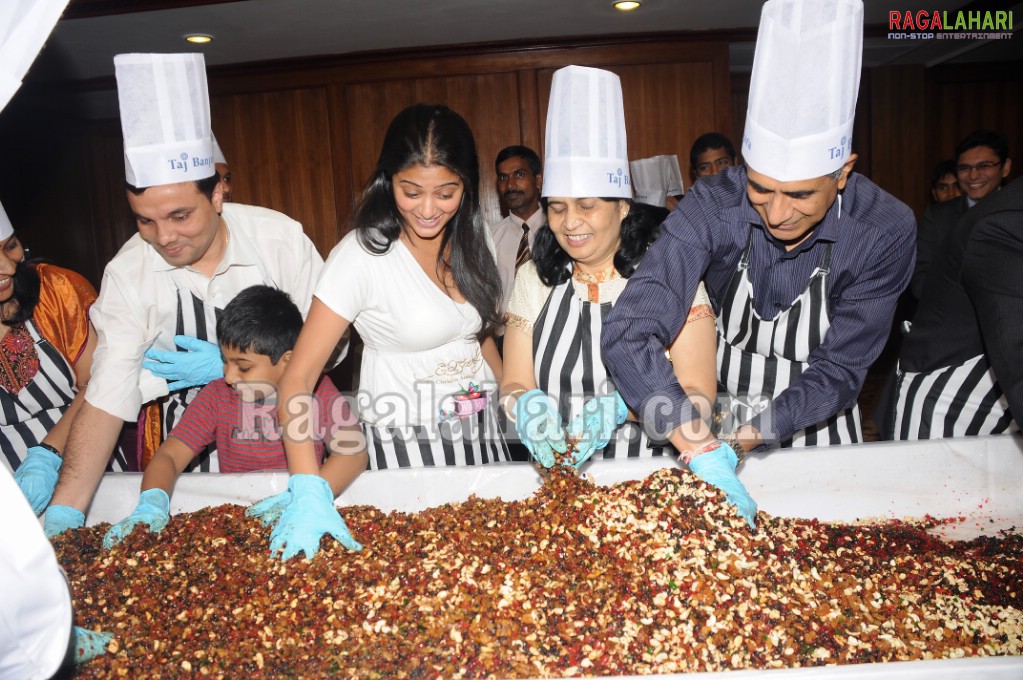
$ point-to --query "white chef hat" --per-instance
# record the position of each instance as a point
(585, 151)
(24, 27)
(656, 178)
(6, 228)
(218, 155)
(806, 75)
(165, 118)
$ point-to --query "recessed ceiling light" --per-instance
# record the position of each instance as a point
(625, 5)
(199, 38)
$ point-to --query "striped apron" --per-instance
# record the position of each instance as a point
(199, 320)
(955, 401)
(568, 366)
(758, 358)
(473, 440)
(27, 416)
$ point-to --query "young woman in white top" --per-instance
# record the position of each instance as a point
(417, 279)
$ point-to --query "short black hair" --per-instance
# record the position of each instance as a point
(945, 167)
(260, 319)
(206, 186)
(989, 138)
(532, 160)
(639, 229)
(711, 140)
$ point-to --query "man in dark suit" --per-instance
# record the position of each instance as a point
(982, 162)
(960, 360)
(993, 278)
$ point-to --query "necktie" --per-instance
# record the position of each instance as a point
(522, 254)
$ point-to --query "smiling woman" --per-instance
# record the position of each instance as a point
(594, 239)
(47, 343)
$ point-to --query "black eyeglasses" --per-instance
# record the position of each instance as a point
(984, 167)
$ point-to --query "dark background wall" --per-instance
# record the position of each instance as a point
(302, 136)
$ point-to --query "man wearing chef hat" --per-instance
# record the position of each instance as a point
(193, 253)
(803, 259)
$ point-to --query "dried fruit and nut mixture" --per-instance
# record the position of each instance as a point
(652, 576)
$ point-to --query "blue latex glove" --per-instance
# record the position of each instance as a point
(593, 428)
(199, 364)
(538, 425)
(309, 515)
(152, 510)
(269, 510)
(37, 477)
(717, 468)
(88, 644)
(60, 518)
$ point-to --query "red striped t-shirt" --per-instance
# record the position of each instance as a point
(247, 436)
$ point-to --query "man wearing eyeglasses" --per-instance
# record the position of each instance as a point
(946, 384)
(982, 163)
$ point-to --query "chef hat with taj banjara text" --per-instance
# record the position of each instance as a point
(165, 118)
(585, 152)
(802, 100)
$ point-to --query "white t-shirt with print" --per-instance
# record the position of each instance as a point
(420, 345)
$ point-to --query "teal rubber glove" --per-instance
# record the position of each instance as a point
(593, 428)
(152, 510)
(538, 425)
(309, 515)
(37, 477)
(60, 518)
(199, 364)
(88, 644)
(269, 510)
(717, 468)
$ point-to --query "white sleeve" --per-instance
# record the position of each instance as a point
(118, 384)
(35, 616)
(528, 298)
(345, 279)
(307, 270)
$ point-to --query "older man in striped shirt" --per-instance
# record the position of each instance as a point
(803, 259)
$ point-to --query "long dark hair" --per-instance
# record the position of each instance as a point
(640, 228)
(26, 292)
(432, 134)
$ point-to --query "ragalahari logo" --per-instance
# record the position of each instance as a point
(960, 25)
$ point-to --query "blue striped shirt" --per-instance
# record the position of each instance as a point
(872, 261)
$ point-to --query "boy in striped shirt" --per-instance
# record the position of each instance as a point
(238, 413)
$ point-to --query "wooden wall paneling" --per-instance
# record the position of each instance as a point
(964, 99)
(899, 161)
(488, 102)
(346, 189)
(740, 103)
(283, 156)
(54, 170)
(531, 130)
(111, 221)
(370, 108)
(667, 106)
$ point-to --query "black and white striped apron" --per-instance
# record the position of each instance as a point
(955, 401)
(758, 358)
(567, 365)
(473, 440)
(27, 416)
(199, 320)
